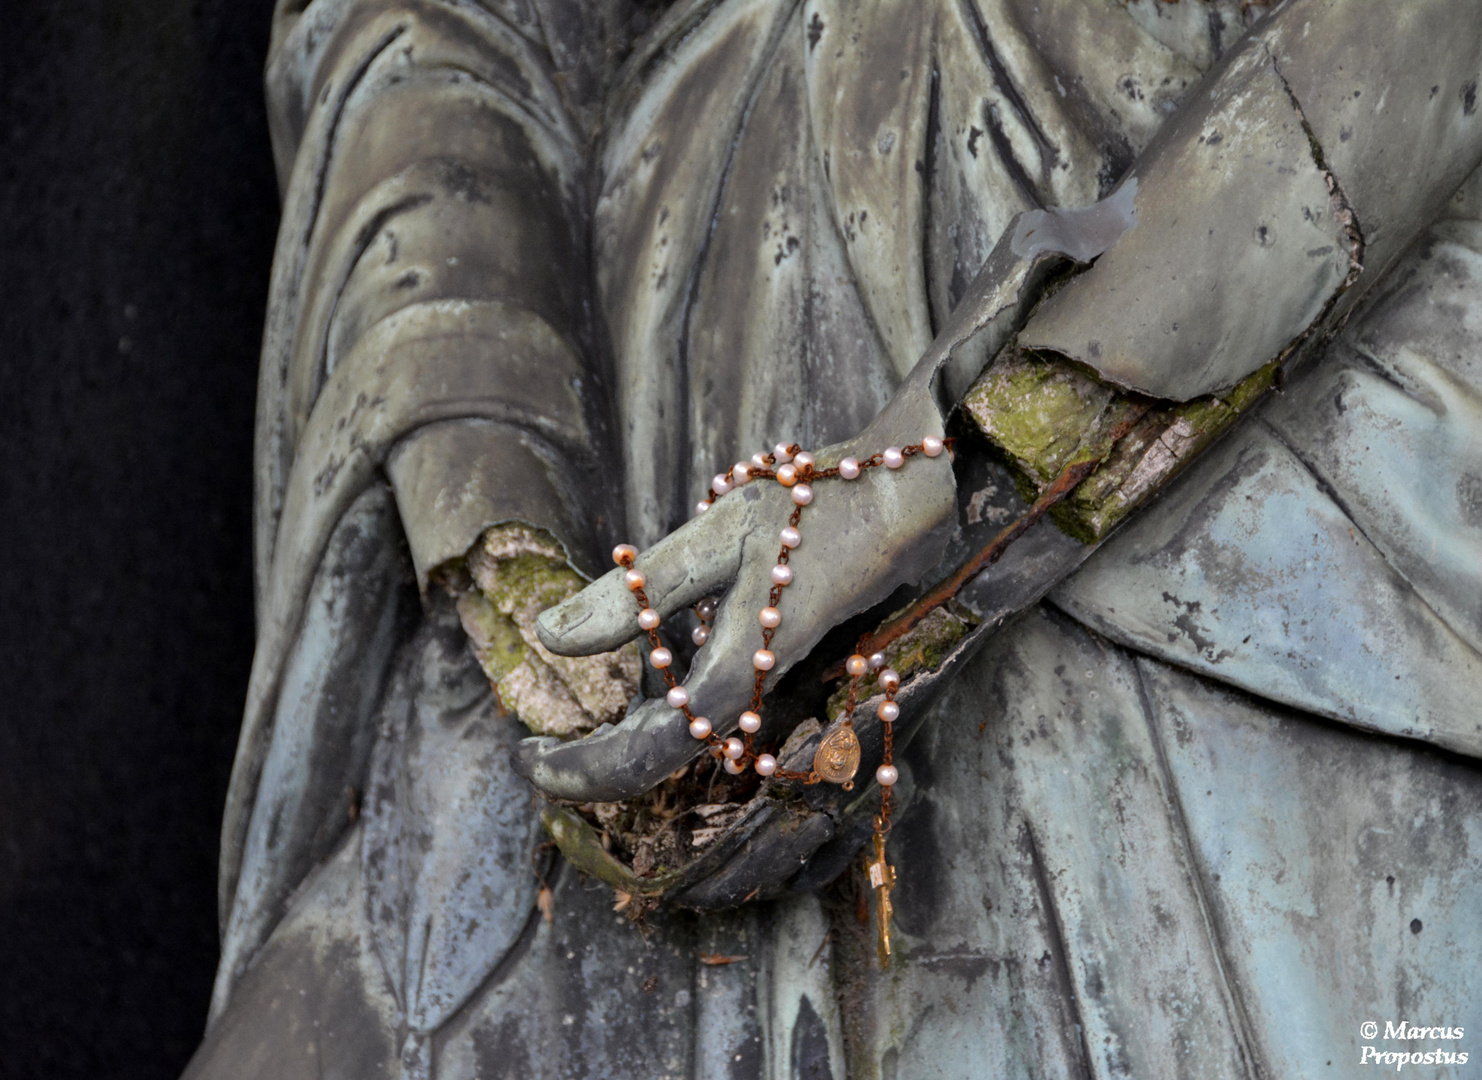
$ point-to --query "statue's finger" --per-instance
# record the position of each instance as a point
(694, 561)
(624, 760)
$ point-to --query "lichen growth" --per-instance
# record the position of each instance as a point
(1152, 453)
(517, 572)
(1036, 410)
(922, 648)
(1045, 412)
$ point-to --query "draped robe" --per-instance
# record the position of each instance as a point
(1201, 812)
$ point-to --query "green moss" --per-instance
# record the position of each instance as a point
(1037, 410)
(1045, 413)
(1155, 451)
(582, 846)
(496, 639)
(922, 648)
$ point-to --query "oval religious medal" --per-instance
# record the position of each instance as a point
(837, 757)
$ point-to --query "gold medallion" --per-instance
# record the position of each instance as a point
(837, 758)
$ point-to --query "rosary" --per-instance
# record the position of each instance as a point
(838, 755)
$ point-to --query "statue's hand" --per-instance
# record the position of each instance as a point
(861, 539)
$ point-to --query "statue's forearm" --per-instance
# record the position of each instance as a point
(1279, 192)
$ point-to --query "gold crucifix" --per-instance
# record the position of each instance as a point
(882, 880)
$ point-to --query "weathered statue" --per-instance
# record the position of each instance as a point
(1187, 784)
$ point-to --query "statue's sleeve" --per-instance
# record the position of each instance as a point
(429, 286)
(426, 358)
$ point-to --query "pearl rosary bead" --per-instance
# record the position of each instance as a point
(623, 554)
(702, 506)
(700, 634)
(931, 446)
(877, 661)
(720, 485)
(648, 619)
(735, 768)
(661, 657)
(856, 665)
(634, 579)
(706, 609)
(740, 473)
(888, 711)
(890, 682)
(849, 468)
(733, 748)
(766, 765)
(790, 537)
(677, 697)
(887, 775)
(770, 618)
(758, 461)
(804, 460)
(750, 722)
(787, 475)
(802, 494)
(700, 727)
(763, 660)
(781, 575)
(894, 459)
(782, 453)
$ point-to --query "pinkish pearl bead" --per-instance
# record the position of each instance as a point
(894, 459)
(890, 682)
(804, 460)
(782, 453)
(733, 748)
(700, 728)
(720, 485)
(781, 575)
(802, 494)
(931, 446)
(787, 475)
(758, 461)
(706, 608)
(648, 619)
(735, 768)
(700, 634)
(677, 697)
(887, 775)
(623, 554)
(766, 765)
(888, 711)
(661, 657)
(702, 506)
(790, 537)
(856, 665)
(763, 659)
(849, 468)
(634, 579)
(877, 661)
(740, 473)
(750, 722)
(770, 618)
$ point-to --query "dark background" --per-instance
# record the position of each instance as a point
(137, 212)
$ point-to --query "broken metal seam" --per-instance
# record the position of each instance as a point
(1343, 208)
